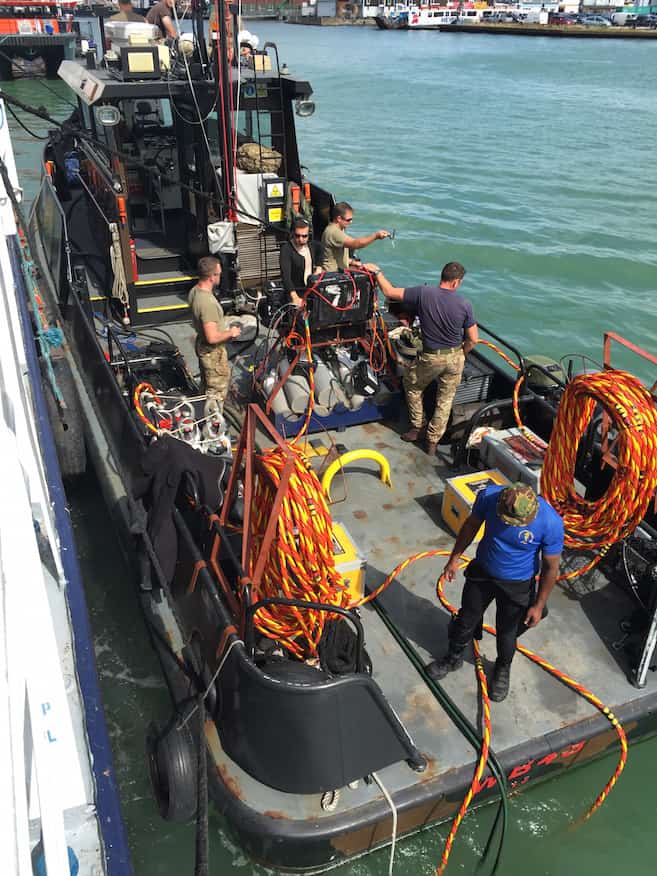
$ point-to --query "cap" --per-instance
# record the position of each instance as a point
(517, 505)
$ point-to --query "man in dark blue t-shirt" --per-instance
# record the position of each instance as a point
(523, 536)
(449, 332)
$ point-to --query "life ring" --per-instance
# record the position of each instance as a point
(172, 763)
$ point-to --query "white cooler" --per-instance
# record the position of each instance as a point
(518, 457)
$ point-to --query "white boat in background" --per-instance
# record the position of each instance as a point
(432, 15)
(59, 807)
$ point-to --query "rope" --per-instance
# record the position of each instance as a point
(631, 408)
(616, 514)
(393, 809)
(481, 763)
(300, 563)
(119, 286)
(574, 685)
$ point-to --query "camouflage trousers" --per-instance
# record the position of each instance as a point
(446, 369)
(215, 371)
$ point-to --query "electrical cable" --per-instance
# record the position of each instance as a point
(24, 126)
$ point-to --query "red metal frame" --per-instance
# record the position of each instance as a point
(607, 448)
(245, 457)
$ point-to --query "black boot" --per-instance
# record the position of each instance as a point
(440, 668)
(499, 683)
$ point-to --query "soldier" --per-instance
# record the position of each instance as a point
(449, 332)
(336, 243)
(211, 331)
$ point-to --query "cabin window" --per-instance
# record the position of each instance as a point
(254, 127)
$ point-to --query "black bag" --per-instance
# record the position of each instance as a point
(338, 650)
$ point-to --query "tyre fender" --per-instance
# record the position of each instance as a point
(172, 762)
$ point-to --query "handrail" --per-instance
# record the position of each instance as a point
(633, 348)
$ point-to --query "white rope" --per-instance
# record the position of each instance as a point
(119, 286)
(393, 809)
(212, 680)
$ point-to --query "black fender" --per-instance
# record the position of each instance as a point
(172, 761)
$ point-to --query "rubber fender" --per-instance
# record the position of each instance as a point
(67, 425)
(353, 456)
(172, 763)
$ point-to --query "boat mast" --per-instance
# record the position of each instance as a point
(224, 52)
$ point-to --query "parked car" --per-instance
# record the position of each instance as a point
(644, 21)
(503, 17)
(561, 18)
(622, 18)
(594, 20)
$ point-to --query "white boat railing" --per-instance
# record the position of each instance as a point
(42, 776)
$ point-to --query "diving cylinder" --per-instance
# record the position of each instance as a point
(328, 391)
(279, 405)
(352, 399)
(296, 389)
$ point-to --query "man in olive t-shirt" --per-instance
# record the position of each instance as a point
(211, 331)
(336, 243)
(127, 13)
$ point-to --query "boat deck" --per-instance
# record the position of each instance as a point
(541, 714)
(542, 724)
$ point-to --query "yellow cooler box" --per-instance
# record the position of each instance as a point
(349, 562)
(461, 492)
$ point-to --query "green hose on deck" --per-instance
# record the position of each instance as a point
(464, 725)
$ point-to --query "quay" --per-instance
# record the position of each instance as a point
(552, 30)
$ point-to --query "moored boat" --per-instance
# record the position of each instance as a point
(292, 745)
(36, 36)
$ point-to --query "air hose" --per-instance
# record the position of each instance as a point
(301, 562)
(437, 691)
(480, 743)
(574, 685)
(631, 409)
(617, 513)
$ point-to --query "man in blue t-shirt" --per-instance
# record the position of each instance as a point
(449, 332)
(523, 536)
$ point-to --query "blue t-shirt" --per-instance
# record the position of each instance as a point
(512, 552)
(444, 314)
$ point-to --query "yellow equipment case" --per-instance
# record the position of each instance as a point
(461, 492)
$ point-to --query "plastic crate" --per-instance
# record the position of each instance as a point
(475, 384)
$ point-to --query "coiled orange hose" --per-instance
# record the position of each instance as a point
(617, 513)
(301, 564)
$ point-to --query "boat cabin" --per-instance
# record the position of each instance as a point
(170, 168)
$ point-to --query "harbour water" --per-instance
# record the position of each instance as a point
(532, 162)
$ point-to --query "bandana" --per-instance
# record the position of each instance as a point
(517, 505)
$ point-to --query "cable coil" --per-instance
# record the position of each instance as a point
(617, 513)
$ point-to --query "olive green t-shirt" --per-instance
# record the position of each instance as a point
(205, 308)
(335, 255)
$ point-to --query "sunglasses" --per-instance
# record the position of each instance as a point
(302, 236)
(347, 220)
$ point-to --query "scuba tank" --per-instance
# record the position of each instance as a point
(296, 388)
(279, 405)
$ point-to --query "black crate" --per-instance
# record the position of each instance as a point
(339, 299)
(475, 384)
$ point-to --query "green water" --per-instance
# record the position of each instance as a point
(532, 162)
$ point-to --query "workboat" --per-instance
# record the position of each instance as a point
(59, 800)
(36, 36)
(294, 633)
